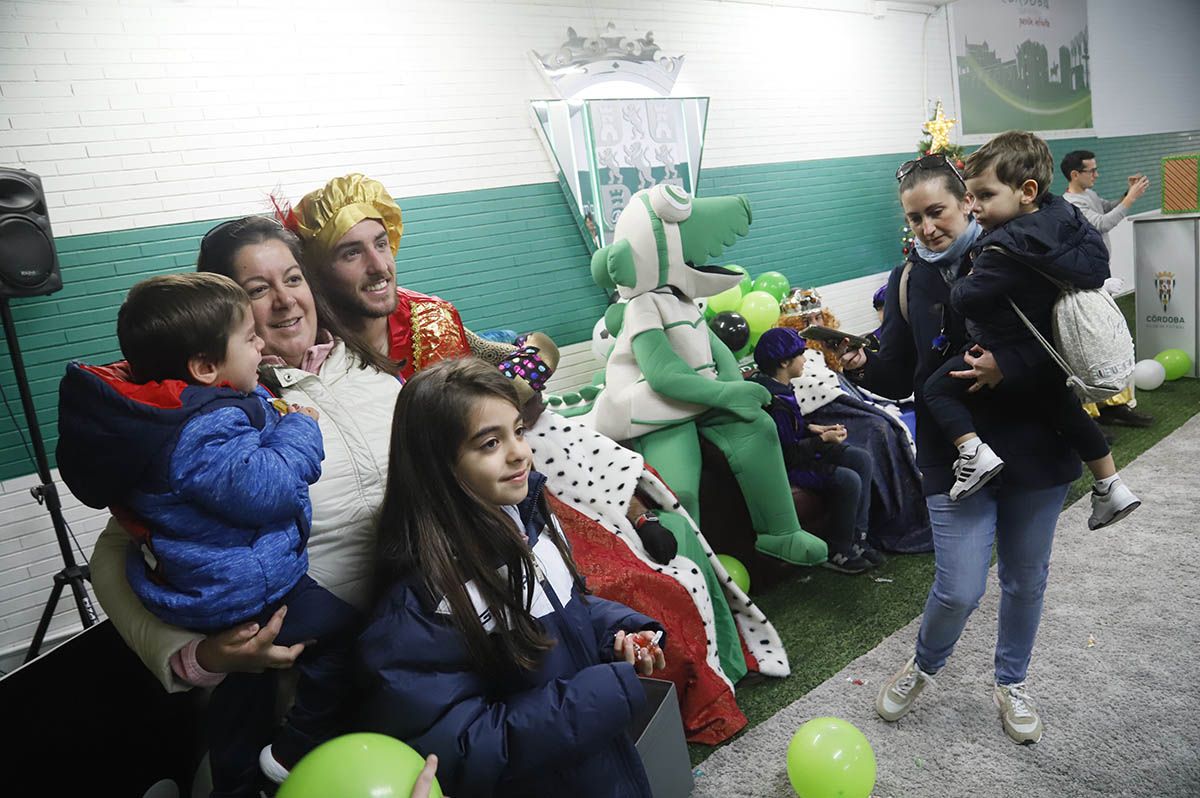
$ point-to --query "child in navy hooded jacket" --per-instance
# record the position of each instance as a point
(1028, 230)
(210, 476)
(484, 648)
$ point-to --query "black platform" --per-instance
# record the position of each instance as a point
(87, 718)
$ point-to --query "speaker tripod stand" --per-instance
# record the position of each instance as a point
(46, 493)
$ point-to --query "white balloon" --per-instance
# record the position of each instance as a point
(602, 341)
(1149, 374)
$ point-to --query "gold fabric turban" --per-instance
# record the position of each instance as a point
(327, 214)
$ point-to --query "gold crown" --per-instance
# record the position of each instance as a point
(801, 302)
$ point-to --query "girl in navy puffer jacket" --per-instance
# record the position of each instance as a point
(484, 648)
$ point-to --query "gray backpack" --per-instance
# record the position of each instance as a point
(1091, 344)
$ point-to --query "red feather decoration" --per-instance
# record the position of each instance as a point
(285, 214)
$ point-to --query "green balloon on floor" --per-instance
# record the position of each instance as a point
(830, 758)
(737, 572)
(357, 766)
(1175, 361)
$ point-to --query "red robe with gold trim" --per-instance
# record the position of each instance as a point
(423, 330)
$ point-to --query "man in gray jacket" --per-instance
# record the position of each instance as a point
(1081, 172)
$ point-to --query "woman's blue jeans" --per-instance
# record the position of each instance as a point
(1021, 522)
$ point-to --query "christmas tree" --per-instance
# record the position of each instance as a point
(938, 127)
(938, 142)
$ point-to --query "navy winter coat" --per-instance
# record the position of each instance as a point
(1007, 417)
(219, 479)
(558, 730)
(1058, 241)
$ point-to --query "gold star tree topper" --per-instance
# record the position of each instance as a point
(939, 128)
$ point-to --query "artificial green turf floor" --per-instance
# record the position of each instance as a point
(828, 619)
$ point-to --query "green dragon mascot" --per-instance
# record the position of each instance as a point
(670, 380)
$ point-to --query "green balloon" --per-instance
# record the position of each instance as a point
(1175, 361)
(760, 310)
(754, 339)
(729, 299)
(737, 572)
(357, 766)
(746, 284)
(773, 283)
(830, 758)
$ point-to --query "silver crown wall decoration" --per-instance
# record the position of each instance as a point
(581, 62)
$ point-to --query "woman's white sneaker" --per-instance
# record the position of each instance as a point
(897, 695)
(1017, 713)
(972, 473)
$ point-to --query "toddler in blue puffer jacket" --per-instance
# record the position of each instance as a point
(211, 476)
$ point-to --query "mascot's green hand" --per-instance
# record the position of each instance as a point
(745, 399)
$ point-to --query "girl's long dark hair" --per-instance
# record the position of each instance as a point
(433, 526)
(219, 249)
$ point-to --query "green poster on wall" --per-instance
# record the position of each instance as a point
(1022, 64)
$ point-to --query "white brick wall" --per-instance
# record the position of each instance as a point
(154, 112)
(148, 112)
(29, 558)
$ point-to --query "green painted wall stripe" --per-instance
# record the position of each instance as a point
(513, 257)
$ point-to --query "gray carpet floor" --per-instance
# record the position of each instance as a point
(1115, 672)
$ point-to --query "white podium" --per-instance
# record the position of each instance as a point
(1166, 262)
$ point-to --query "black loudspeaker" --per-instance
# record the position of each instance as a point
(28, 260)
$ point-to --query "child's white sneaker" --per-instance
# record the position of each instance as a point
(973, 472)
(270, 766)
(1112, 505)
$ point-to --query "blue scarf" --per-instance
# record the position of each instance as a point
(947, 260)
